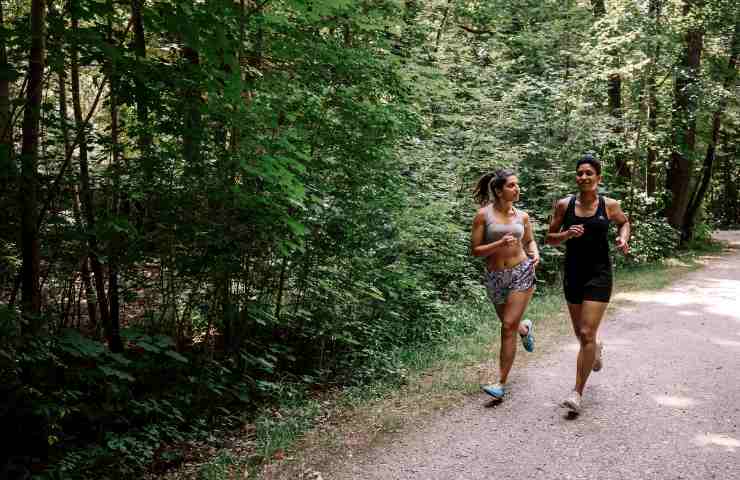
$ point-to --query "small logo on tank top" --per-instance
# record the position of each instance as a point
(601, 217)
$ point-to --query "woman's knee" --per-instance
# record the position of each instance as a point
(509, 328)
(586, 335)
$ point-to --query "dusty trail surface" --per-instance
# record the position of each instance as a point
(665, 406)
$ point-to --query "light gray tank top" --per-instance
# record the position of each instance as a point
(496, 230)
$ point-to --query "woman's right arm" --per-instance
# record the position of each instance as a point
(554, 235)
(478, 248)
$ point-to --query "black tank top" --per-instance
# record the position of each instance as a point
(590, 251)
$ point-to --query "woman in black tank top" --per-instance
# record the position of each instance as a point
(588, 269)
(582, 221)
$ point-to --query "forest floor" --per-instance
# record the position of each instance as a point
(665, 405)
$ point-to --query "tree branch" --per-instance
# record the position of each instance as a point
(68, 157)
(476, 31)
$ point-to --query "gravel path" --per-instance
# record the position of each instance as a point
(665, 406)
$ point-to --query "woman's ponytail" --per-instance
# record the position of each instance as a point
(485, 190)
(481, 194)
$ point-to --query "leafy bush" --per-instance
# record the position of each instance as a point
(114, 412)
(652, 237)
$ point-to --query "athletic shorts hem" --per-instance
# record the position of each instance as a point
(500, 283)
(593, 294)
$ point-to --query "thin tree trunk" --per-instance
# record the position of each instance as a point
(68, 307)
(234, 136)
(614, 91)
(114, 333)
(258, 41)
(31, 296)
(68, 147)
(86, 194)
(651, 182)
(707, 169)
(8, 170)
(621, 165)
(442, 25)
(5, 131)
(142, 108)
(193, 120)
(684, 121)
(90, 299)
(732, 205)
(281, 288)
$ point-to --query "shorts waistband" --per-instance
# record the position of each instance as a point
(526, 262)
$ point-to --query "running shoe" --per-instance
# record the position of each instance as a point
(598, 362)
(528, 338)
(496, 390)
(572, 402)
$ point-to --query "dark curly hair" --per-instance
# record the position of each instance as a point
(486, 187)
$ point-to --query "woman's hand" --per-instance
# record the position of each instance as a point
(622, 245)
(575, 231)
(535, 260)
(508, 240)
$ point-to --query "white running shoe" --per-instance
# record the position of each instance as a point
(598, 363)
(572, 402)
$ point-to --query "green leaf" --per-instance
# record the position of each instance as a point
(120, 359)
(72, 342)
(173, 354)
(112, 372)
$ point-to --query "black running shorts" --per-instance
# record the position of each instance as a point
(595, 286)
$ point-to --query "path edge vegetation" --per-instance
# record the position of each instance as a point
(301, 440)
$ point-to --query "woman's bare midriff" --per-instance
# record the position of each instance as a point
(505, 258)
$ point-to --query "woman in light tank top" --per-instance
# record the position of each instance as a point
(583, 221)
(503, 235)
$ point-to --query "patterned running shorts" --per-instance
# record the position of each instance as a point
(502, 282)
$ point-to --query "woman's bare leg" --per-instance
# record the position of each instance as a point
(510, 314)
(586, 319)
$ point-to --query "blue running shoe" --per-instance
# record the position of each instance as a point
(495, 390)
(528, 339)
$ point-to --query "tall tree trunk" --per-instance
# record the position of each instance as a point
(114, 332)
(86, 195)
(651, 182)
(614, 91)
(621, 165)
(142, 109)
(8, 169)
(235, 130)
(31, 296)
(141, 95)
(684, 119)
(90, 299)
(732, 206)
(707, 169)
(442, 25)
(64, 126)
(6, 144)
(192, 134)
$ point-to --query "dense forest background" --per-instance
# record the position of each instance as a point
(208, 206)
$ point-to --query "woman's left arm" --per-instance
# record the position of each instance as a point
(616, 215)
(528, 242)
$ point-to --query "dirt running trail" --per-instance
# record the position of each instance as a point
(665, 406)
